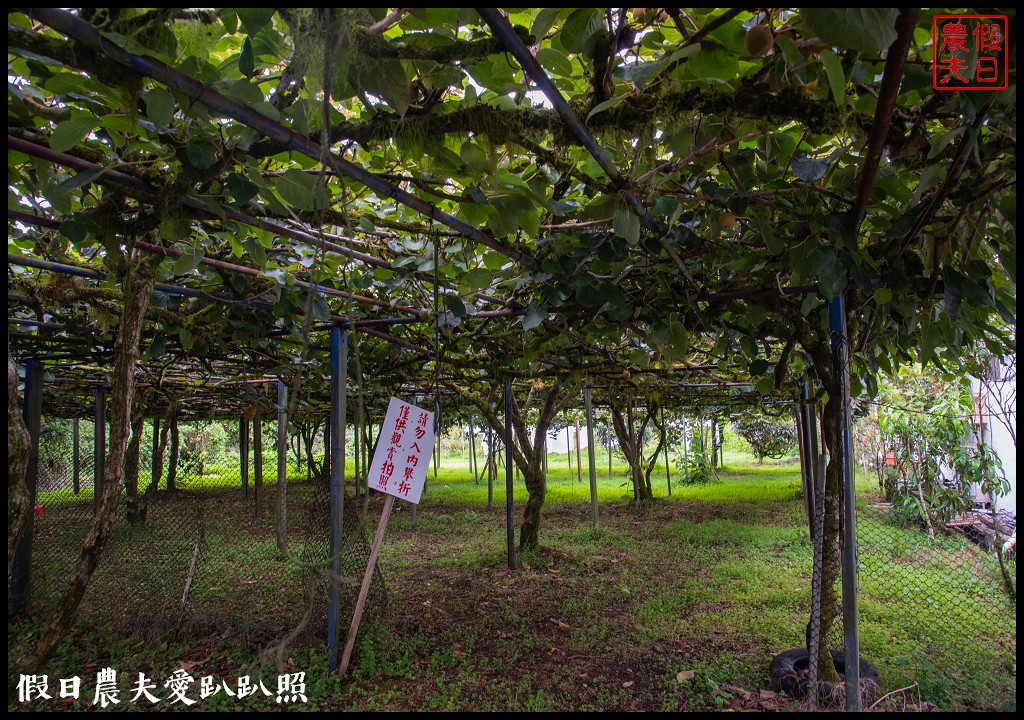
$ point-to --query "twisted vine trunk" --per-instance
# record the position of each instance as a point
(131, 468)
(831, 607)
(137, 286)
(528, 453)
(631, 443)
(18, 448)
(172, 464)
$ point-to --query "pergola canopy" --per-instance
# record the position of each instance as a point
(645, 200)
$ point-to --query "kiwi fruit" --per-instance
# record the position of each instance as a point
(758, 41)
(727, 220)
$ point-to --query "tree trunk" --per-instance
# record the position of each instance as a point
(18, 448)
(161, 451)
(137, 284)
(172, 466)
(528, 453)
(831, 608)
(131, 467)
(631, 445)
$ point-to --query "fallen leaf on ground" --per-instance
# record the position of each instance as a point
(627, 684)
(685, 676)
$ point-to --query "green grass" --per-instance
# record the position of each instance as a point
(714, 580)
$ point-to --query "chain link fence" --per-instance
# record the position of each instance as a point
(197, 558)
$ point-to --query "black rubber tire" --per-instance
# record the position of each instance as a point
(788, 672)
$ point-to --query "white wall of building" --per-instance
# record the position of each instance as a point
(997, 435)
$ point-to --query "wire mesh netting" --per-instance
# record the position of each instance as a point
(922, 597)
(197, 557)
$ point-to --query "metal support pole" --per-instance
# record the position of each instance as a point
(357, 449)
(590, 456)
(257, 462)
(509, 520)
(490, 467)
(579, 464)
(335, 430)
(808, 439)
(568, 444)
(99, 451)
(851, 636)
(282, 466)
(76, 456)
(686, 455)
(609, 446)
(437, 458)
(21, 568)
(664, 438)
(243, 454)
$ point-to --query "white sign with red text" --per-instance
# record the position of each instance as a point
(402, 457)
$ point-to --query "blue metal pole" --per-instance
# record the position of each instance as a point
(339, 381)
(841, 386)
(99, 447)
(588, 402)
(282, 465)
(509, 519)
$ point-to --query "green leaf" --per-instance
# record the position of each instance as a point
(774, 244)
(58, 197)
(82, 178)
(186, 338)
(864, 29)
(760, 366)
(555, 61)
(474, 156)
(715, 64)
(241, 188)
(831, 279)
(301, 190)
(68, 133)
(609, 103)
(75, 231)
(883, 296)
(640, 357)
(455, 305)
(626, 225)
(201, 153)
(159, 107)
(590, 294)
(254, 19)
(677, 340)
(809, 169)
(476, 279)
(836, 78)
(187, 263)
(545, 19)
(943, 142)
(246, 60)
(386, 78)
(579, 27)
(174, 229)
(536, 314)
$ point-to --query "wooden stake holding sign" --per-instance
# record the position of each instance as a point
(399, 469)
